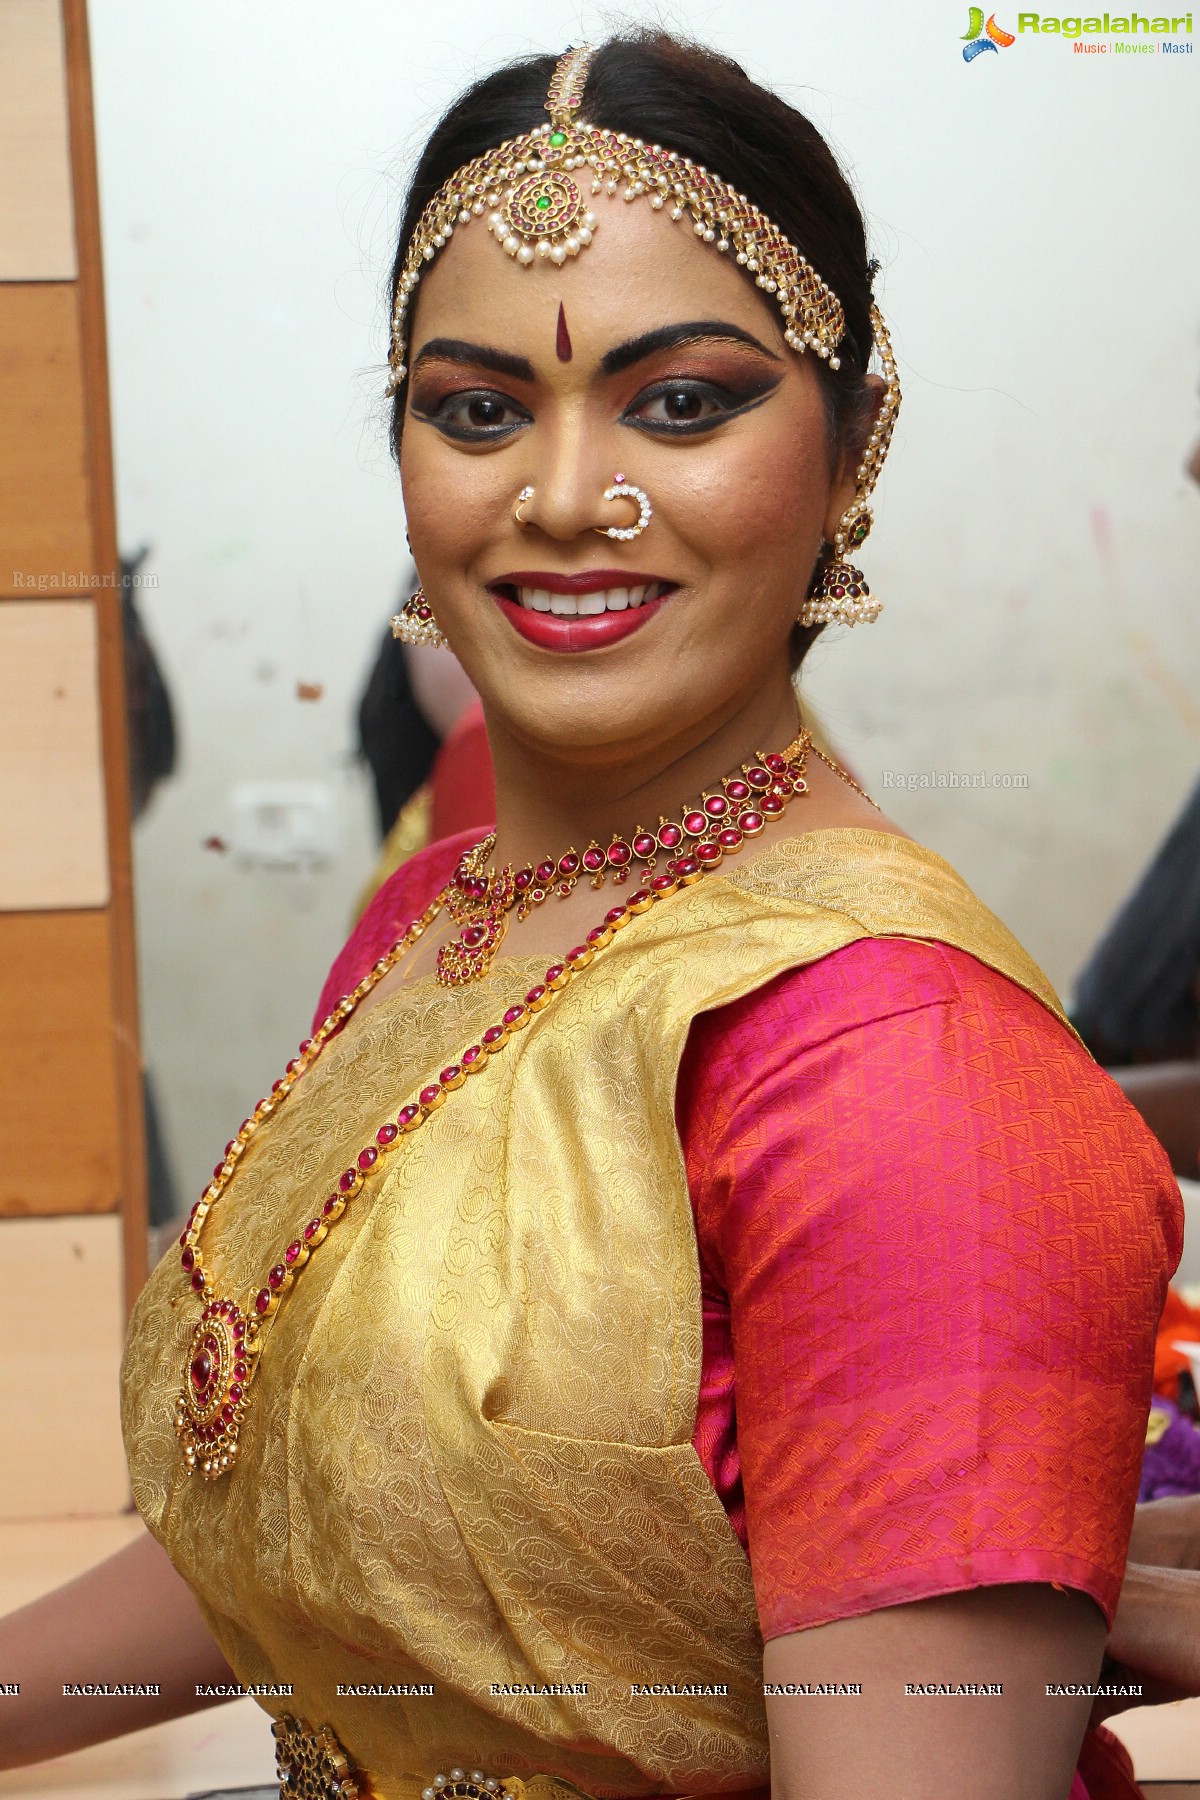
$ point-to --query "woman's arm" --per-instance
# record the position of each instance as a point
(1021, 1744)
(130, 1620)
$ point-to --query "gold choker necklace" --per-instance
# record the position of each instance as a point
(483, 899)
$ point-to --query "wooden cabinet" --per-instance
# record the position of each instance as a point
(71, 1131)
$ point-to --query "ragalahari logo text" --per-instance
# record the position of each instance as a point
(979, 37)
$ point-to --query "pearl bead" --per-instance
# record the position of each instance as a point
(584, 234)
(543, 247)
(525, 254)
(558, 254)
(512, 245)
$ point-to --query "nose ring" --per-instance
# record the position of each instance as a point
(625, 490)
(525, 495)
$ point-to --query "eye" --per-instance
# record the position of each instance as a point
(681, 403)
(474, 415)
(682, 406)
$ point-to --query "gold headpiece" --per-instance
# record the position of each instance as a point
(531, 189)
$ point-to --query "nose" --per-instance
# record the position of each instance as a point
(568, 482)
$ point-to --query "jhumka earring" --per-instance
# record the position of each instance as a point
(625, 490)
(415, 623)
(841, 595)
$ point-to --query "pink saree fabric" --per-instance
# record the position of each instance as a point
(934, 1243)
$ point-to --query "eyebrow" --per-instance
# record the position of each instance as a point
(622, 356)
(668, 337)
(481, 356)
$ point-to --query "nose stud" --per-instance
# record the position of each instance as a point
(525, 495)
(625, 490)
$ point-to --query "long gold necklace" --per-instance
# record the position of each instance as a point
(226, 1346)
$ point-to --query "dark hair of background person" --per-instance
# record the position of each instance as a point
(1136, 999)
(703, 105)
(152, 745)
(396, 740)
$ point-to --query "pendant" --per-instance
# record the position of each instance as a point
(216, 1376)
(470, 958)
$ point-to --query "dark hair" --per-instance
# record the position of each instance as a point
(702, 105)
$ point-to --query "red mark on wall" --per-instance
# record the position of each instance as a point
(562, 337)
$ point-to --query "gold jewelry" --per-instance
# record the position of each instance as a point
(625, 490)
(481, 898)
(532, 189)
(523, 499)
(415, 623)
(841, 595)
(226, 1346)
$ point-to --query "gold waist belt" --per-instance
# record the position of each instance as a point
(312, 1765)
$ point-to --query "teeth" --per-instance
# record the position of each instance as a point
(588, 605)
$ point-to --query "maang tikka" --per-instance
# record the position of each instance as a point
(532, 192)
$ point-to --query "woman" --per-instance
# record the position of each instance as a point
(771, 1267)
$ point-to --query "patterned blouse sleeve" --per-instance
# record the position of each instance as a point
(945, 1237)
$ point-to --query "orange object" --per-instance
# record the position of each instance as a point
(1179, 1320)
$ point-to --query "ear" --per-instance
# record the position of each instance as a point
(845, 480)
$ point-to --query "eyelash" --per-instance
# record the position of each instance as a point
(725, 403)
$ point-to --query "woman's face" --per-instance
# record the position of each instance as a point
(648, 356)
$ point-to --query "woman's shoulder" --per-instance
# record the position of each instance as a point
(400, 899)
(910, 1023)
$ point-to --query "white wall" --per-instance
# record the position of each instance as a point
(1038, 544)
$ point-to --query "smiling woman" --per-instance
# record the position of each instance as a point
(656, 1361)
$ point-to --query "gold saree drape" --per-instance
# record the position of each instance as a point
(469, 1461)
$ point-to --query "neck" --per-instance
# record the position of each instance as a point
(546, 803)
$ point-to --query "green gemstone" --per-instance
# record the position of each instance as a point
(558, 139)
(542, 202)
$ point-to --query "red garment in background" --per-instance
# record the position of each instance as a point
(934, 1241)
(461, 783)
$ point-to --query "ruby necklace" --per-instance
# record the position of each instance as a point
(482, 899)
(226, 1345)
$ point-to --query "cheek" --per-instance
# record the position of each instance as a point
(761, 503)
(451, 502)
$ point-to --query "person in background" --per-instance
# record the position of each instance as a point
(1137, 999)
(153, 748)
(421, 732)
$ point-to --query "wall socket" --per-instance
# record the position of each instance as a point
(284, 824)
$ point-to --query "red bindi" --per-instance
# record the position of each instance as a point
(562, 337)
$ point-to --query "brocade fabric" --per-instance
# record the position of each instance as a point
(933, 1235)
(470, 1461)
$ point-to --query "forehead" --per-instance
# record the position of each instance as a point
(641, 270)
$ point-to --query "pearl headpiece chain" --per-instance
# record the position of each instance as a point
(531, 190)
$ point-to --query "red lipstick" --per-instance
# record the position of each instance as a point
(551, 631)
(591, 631)
(589, 581)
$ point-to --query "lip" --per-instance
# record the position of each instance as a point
(590, 581)
(551, 631)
